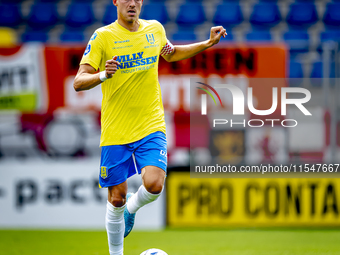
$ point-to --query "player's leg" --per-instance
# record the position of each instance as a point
(116, 161)
(151, 158)
(153, 181)
(114, 220)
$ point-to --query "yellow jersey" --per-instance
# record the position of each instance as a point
(132, 105)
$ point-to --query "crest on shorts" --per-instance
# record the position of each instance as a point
(103, 172)
(150, 38)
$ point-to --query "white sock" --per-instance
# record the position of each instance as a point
(140, 198)
(115, 226)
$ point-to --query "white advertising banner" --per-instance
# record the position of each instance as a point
(62, 194)
(22, 79)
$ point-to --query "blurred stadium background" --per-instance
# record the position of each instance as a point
(49, 134)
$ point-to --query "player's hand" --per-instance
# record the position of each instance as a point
(216, 33)
(111, 67)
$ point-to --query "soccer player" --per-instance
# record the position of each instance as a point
(132, 122)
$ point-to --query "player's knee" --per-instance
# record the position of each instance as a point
(117, 201)
(154, 186)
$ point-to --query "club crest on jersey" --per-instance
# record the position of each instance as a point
(103, 172)
(150, 38)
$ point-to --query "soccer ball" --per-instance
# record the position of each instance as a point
(154, 251)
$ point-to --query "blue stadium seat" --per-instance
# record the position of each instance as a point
(298, 41)
(43, 15)
(110, 14)
(191, 14)
(83, 1)
(184, 36)
(259, 36)
(47, 1)
(228, 15)
(302, 15)
(317, 73)
(10, 15)
(265, 15)
(331, 16)
(72, 36)
(155, 11)
(295, 73)
(295, 69)
(34, 36)
(11, 1)
(79, 15)
(330, 36)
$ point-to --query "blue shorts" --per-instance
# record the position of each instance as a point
(119, 162)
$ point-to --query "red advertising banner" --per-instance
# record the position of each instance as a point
(36, 83)
(52, 68)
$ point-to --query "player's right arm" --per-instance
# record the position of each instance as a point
(86, 77)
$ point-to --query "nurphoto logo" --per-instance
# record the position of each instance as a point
(238, 104)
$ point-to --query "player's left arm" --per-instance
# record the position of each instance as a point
(180, 52)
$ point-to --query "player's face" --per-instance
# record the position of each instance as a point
(129, 10)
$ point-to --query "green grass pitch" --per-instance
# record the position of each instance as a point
(174, 242)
